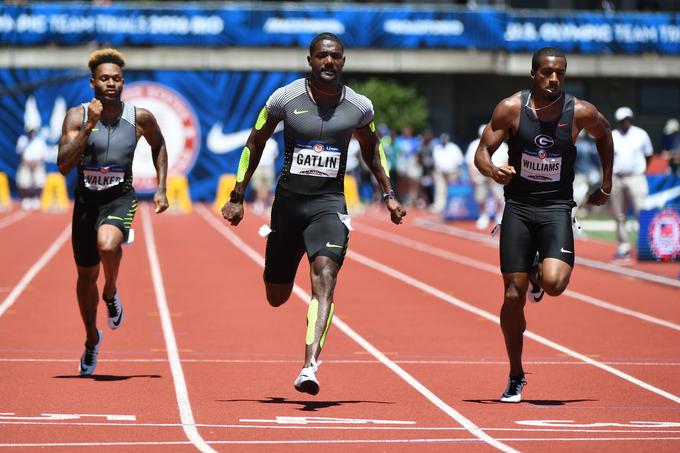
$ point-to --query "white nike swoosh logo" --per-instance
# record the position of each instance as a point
(328, 244)
(221, 143)
(299, 112)
(565, 251)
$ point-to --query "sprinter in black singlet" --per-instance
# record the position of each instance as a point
(537, 243)
(99, 138)
(309, 214)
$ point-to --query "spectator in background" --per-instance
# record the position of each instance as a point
(671, 145)
(607, 6)
(632, 151)
(410, 171)
(586, 171)
(426, 160)
(488, 193)
(359, 171)
(353, 158)
(30, 177)
(448, 159)
(263, 177)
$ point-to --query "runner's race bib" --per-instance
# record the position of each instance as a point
(541, 167)
(315, 159)
(102, 178)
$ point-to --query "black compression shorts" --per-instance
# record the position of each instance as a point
(93, 209)
(527, 229)
(304, 223)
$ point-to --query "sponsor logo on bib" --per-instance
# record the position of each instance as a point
(316, 159)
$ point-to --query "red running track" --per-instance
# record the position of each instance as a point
(415, 359)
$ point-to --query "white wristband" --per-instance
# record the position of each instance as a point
(606, 194)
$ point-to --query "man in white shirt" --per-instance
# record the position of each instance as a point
(30, 177)
(488, 193)
(448, 159)
(632, 151)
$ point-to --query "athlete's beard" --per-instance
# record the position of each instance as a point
(552, 96)
(106, 100)
(334, 86)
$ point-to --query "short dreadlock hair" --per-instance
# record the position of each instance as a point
(105, 56)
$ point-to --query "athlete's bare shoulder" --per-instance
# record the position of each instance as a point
(584, 108)
(144, 117)
(585, 113)
(512, 103)
(75, 116)
(73, 121)
(506, 114)
(148, 127)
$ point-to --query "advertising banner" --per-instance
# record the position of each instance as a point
(370, 26)
(205, 118)
(659, 238)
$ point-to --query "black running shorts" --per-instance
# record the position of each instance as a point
(527, 229)
(93, 209)
(304, 223)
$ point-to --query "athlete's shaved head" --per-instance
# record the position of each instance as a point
(545, 52)
(105, 56)
(322, 37)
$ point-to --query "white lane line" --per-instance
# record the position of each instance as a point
(350, 428)
(186, 414)
(476, 264)
(407, 279)
(33, 271)
(624, 311)
(357, 362)
(343, 441)
(224, 230)
(588, 439)
(11, 218)
(485, 239)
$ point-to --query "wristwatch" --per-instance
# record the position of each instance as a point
(389, 195)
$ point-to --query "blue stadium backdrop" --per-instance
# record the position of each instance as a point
(205, 117)
(289, 24)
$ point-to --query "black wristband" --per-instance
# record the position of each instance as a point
(389, 195)
(236, 197)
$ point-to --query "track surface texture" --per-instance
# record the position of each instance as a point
(414, 361)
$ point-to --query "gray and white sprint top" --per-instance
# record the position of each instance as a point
(316, 141)
(107, 159)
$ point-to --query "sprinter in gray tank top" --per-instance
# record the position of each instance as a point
(309, 214)
(99, 138)
(537, 243)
